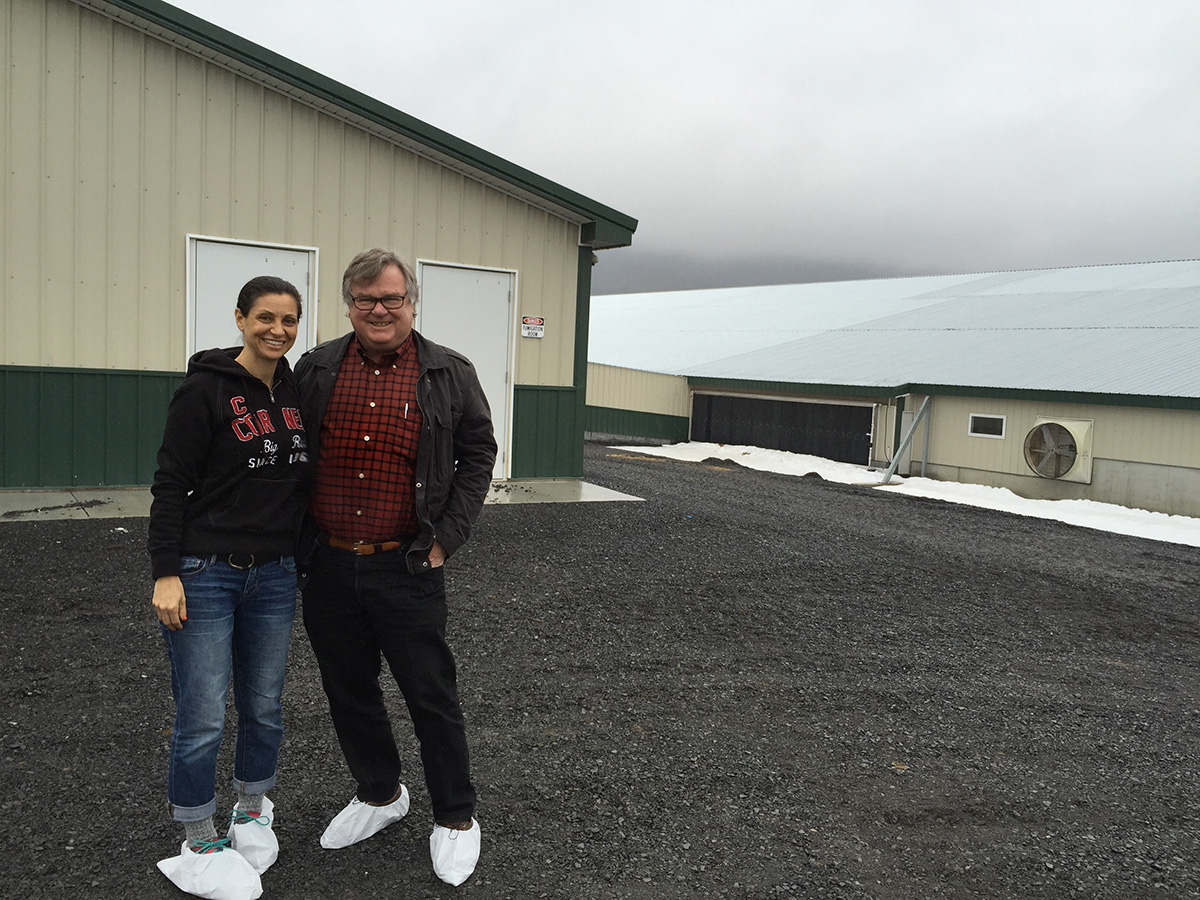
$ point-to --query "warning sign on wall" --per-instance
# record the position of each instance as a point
(533, 326)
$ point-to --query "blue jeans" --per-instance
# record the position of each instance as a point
(238, 620)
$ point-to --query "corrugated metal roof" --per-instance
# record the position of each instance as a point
(1122, 329)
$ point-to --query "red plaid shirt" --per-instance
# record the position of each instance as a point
(364, 489)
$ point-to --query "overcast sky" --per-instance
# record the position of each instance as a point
(777, 141)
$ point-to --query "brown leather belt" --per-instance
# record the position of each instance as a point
(363, 549)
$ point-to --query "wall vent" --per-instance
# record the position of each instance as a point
(1060, 449)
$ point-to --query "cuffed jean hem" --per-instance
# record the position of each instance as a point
(254, 787)
(192, 813)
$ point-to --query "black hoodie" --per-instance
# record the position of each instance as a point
(232, 457)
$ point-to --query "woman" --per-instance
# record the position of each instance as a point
(223, 526)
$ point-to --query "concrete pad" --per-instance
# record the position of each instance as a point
(567, 490)
(101, 503)
(114, 503)
(122, 503)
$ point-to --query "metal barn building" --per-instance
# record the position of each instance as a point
(152, 163)
(1075, 383)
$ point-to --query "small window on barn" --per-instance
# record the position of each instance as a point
(986, 426)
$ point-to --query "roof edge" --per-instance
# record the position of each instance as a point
(997, 393)
(905, 277)
(1149, 401)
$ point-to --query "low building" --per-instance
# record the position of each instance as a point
(1073, 383)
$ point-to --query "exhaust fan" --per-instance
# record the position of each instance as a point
(1060, 448)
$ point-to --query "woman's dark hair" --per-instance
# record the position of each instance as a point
(267, 284)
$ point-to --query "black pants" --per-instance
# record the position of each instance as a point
(357, 608)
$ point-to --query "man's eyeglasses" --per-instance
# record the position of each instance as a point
(368, 303)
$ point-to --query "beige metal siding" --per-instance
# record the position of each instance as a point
(633, 389)
(117, 145)
(1156, 436)
(1159, 436)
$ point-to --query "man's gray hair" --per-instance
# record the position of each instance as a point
(369, 265)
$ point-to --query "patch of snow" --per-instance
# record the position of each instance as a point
(1086, 513)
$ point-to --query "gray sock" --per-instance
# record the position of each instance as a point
(201, 830)
(251, 802)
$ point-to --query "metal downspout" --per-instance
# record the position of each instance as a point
(898, 422)
(925, 444)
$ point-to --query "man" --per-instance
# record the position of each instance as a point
(403, 439)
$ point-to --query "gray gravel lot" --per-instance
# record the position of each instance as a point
(748, 686)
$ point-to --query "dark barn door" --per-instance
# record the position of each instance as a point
(841, 433)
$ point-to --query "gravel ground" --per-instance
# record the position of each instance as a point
(749, 686)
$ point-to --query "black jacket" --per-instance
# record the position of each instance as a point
(232, 456)
(457, 449)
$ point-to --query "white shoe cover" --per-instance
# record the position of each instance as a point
(255, 840)
(223, 875)
(454, 853)
(358, 821)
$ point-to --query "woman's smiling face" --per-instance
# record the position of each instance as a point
(269, 330)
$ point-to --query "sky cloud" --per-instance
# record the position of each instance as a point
(793, 137)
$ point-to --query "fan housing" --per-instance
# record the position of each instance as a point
(1060, 449)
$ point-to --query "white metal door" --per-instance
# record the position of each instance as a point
(471, 311)
(218, 271)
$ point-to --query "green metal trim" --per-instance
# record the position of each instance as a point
(547, 435)
(609, 227)
(636, 424)
(602, 235)
(157, 373)
(583, 312)
(947, 390)
(1094, 399)
(71, 428)
(785, 387)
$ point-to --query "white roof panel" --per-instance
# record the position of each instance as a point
(1131, 329)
